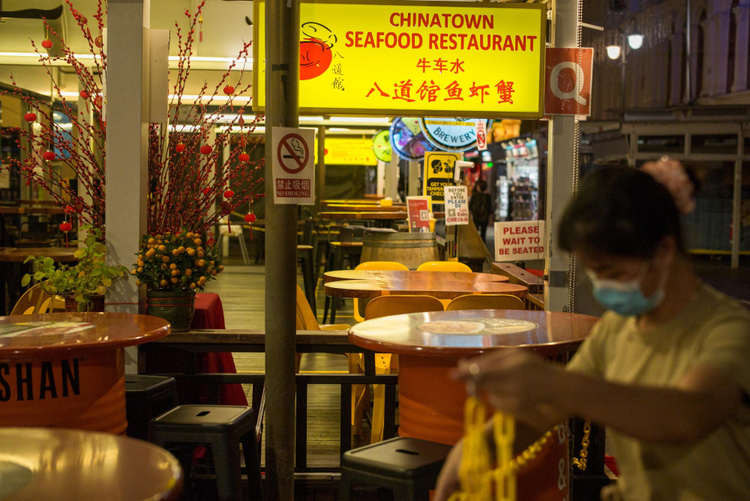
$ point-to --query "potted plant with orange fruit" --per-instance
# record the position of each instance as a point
(174, 266)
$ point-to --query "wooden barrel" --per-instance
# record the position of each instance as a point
(409, 249)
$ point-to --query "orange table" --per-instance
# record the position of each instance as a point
(429, 345)
(436, 276)
(435, 287)
(67, 370)
(43, 464)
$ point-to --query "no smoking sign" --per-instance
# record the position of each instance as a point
(293, 165)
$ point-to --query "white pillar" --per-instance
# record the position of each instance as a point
(392, 172)
(719, 45)
(742, 50)
(413, 189)
(127, 146)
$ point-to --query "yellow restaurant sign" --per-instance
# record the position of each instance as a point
(415, 58)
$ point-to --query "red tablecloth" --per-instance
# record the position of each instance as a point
(209, 314)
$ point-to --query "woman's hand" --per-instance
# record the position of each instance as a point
(448, 481)
(516, 380)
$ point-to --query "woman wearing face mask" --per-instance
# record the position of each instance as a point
(667, 368)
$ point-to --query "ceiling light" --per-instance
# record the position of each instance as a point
(361, 119)
(635, 41)
(613, 51)
(310, 119)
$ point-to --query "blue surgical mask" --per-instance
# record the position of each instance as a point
(625, 297)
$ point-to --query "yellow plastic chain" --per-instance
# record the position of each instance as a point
(476, 475)
(581, 463)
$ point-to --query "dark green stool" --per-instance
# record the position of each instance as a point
(224, 428)
(407, 466)
(305, 258)
(145, 398)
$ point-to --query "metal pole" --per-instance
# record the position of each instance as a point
(688, 61)
(282, 110)
(320, 181)
(559, 169)
(737, 200)
(624, 74)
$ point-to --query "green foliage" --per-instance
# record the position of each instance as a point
(176, 261)
(89, 277)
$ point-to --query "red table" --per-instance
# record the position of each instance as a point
(209, 314)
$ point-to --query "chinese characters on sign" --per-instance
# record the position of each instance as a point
(452, 60)
(293, 166)
(456, 205)
(519, 240)
(438, 172)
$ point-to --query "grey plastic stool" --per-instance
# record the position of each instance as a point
(407, 466)
(224, 428)
(145, 398)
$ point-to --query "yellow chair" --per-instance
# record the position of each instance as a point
(306, 321)
(486, 302)
(375, 266)
(34, 300)
(444, 266)
(386, 363)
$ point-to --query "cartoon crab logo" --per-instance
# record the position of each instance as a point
(315, 50)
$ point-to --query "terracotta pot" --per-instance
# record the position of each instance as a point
(96, 304)
(177, 308)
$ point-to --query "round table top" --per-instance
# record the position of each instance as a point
(19, 255)
(441, 289)
(55, 334)
(448, 276)
(375, 215)
(471, 332)
(50, 463)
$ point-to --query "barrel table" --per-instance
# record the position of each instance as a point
(429, 345)
(45, 464)
(409, 249)
(67, 370)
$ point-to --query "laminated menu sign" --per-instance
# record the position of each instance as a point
(456, 205)
(519, 240)
(418, 210)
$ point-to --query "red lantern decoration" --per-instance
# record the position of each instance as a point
(66, 227)
(84, 94)
(228, 90)
(30, 117)
(179, 148)
(48, 155)
(250, 218)
(206, 149)
(228, 194)
(244, 157)
(47, 44)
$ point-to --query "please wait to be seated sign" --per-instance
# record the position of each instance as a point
(519, 240)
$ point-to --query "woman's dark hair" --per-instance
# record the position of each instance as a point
(481, 185)
(622, 212)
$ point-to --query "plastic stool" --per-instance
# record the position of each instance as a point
(224, 428)
(147, 397)
(407, 466)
